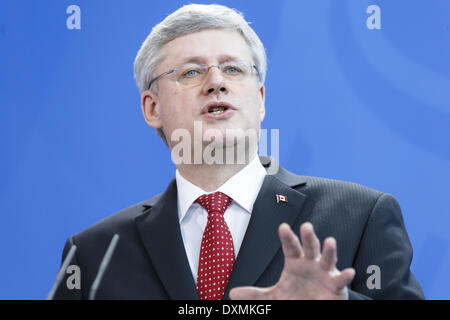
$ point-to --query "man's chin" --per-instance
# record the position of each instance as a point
(235, 145)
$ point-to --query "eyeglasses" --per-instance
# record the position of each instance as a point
(192, 74)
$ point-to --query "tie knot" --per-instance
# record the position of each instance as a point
(214, 202)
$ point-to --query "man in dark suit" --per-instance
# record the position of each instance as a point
(225, 229)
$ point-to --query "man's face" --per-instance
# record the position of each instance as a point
(179, 106)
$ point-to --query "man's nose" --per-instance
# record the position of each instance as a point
(214, 82)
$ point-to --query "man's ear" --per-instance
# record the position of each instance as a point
(262, 110)
(150, 109)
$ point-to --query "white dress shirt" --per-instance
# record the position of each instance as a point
(243, 188)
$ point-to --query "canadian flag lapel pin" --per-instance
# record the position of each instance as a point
(281, 198)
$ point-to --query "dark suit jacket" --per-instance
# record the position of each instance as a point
(150, 260)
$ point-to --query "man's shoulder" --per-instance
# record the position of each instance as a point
(121, 221)
(333, 194)
(328, 185)
(317, 186)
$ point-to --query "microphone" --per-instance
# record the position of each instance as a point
(103, 266)
(61, 272)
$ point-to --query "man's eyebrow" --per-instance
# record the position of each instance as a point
(194, 59)
(202, 59)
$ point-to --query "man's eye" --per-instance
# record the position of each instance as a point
(190, 73)
(233, 70)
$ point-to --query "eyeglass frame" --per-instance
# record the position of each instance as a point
(201, 64)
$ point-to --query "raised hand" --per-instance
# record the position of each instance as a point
(307, 274)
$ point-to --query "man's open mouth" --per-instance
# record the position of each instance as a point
(216, 110)
(217, 107)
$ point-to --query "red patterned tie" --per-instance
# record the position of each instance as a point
(217, 250)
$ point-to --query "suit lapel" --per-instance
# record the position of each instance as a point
(261, 241)
(160, 231)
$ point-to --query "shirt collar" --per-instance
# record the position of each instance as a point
(243, 188)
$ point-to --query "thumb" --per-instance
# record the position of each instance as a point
(248, 293)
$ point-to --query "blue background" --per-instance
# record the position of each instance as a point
(368, 106)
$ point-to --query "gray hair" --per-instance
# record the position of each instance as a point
(186, 20)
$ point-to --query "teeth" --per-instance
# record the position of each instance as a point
(217, 110)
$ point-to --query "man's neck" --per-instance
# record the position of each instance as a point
(210, 177)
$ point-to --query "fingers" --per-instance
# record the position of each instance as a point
(329, 254)
(289, 242)
(344, 278)
(292, 248)
(248, 293)
(310, 246)
(310, 243)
